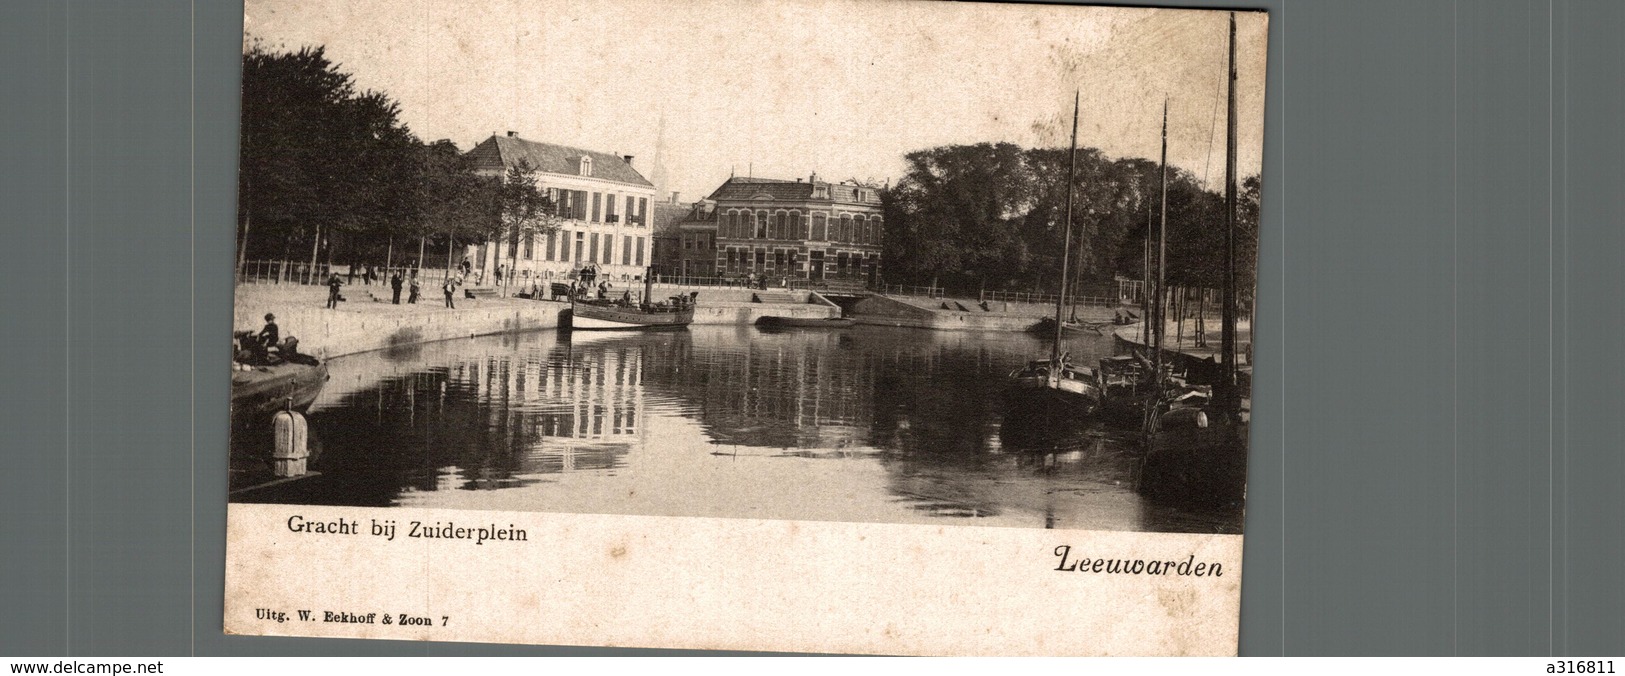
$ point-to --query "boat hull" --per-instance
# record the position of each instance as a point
(605, 318)
(805, 322)
(257, 395)
(1044, 394)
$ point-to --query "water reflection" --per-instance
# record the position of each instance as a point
(866, 424)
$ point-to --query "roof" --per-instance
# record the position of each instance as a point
(741, 188)
(668, 214)
(502, 152)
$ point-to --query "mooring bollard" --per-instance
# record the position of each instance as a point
(288, 458)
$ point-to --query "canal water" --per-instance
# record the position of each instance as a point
(867, 424)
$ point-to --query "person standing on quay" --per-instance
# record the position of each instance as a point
(450, 287)
(416, 288)
(395, 285)
(333, 284)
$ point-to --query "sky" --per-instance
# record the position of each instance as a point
(700, 90)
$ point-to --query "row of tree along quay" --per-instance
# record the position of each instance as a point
(330, 175)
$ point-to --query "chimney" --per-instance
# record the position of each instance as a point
(813, 178)
(513, 134)
(674, 197)
(628, 159)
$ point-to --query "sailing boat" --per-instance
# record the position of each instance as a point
(1056, 383)
(1196, 436)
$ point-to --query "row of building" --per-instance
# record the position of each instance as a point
(797, 230)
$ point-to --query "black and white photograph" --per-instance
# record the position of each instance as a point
(767, 260)
(787, 261)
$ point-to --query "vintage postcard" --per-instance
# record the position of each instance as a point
(842, 326)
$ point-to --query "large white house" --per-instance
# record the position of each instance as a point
(603, 204)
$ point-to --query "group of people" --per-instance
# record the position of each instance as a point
(397, 281)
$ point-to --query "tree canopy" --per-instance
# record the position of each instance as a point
(321, 157)
(993, 216)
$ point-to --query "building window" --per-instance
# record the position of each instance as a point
(820, 229)
(592, 249)
(860, 229)
(609, 209)
(552, 244)
(579, 203)
(586, 165)
(640, 252)
(580, 246)
(530, 243)
(597, 198)
(845, 232)
(643, 210)
(761, 225)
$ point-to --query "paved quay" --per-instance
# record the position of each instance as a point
(368, 321)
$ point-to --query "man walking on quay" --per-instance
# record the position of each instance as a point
(450, 287)
(333, 284)
(395, 285)
(417, 286)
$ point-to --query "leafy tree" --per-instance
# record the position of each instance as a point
(994, 216)
(524, 209)
(324, 163)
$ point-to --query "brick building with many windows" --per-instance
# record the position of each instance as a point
(797, 230)
(603, 204)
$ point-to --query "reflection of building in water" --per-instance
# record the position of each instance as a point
(789, 390)
(562, 411)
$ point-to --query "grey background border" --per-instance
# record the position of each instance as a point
(1436, 465)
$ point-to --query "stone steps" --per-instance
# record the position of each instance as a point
(774, 297)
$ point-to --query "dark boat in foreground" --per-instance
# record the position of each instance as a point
(259, 392)
(1196, 452)
(1125, 386)
(1056, 385)
(805, 322)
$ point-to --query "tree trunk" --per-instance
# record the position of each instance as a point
(315, 247)
(1179, 316)
(242, 245)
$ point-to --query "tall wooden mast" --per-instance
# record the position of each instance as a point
(1227, 349)
(1066, 246)
(1162, 252)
